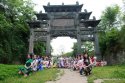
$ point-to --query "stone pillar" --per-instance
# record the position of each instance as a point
(48, 46)
(78, 44)
(96, 45)
(31, 41)
(78, 35)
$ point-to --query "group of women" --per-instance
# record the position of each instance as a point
(34, 63)
(83, 63)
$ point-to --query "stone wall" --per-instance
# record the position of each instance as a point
(115, 58)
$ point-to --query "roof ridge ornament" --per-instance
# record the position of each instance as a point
(48, 4)
(85, 10)
(62, 3)
(77, 3)
(34, 18)
(94, 18)
(40, 12)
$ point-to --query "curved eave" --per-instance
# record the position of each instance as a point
(84, 15)
(34, 24)
(91, 23)
(63, 8)
(42, 16)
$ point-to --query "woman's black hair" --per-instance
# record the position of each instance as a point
(31, 55)
(86, 53)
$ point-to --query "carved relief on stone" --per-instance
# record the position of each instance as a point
(63, 22)
(87, 38)
(86, 32)
(41, 38)
(63, 33)
(38, 34)
(63, 15)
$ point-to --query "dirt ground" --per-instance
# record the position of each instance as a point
(70, 77)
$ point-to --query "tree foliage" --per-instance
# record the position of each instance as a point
(122, 37)
(14, 32)
(39, 48)
(74, 49)
(68, 54)
(109, 18)
(111, 41)
(86, 47)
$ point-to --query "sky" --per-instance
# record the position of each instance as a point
(64, 44)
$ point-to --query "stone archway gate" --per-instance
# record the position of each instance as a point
(64, 20)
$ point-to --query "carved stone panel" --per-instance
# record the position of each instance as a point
(63, 33)
(63, 15)
(41, 38)
(63, 28)
(63, 22)
(86, 32)
(86, 29)
(87, 38)
(38, 34)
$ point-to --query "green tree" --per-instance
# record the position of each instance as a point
(109, 39)
(122, 30)
(74, 49)
(122, 37)
(68, 54)
(39, 48)
(109, 18)
(14, 32)
(124, 11)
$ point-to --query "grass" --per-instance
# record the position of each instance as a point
(7, 71)
(108, 72)
(114, 81)
(9, 75)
